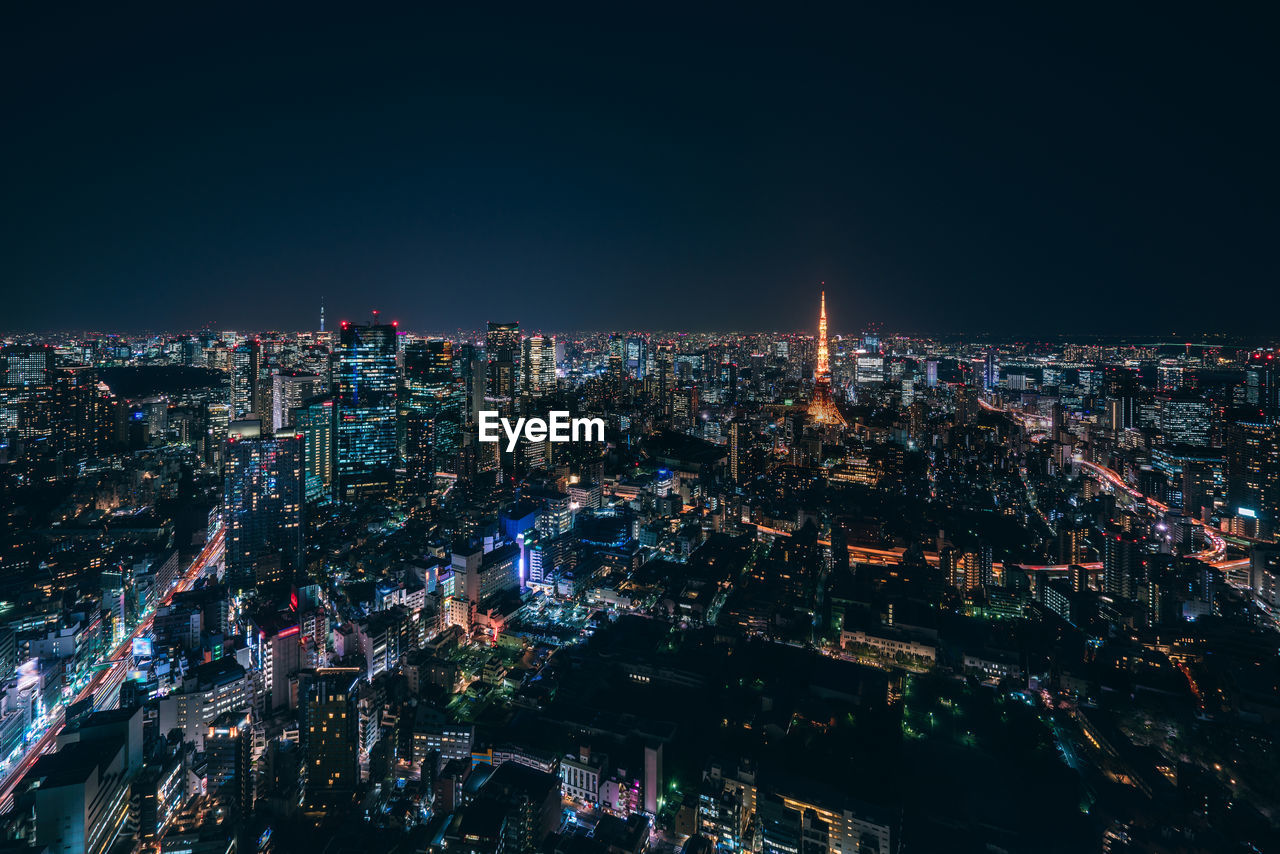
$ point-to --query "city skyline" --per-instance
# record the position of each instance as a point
(518, 429)
(844, 329)
(257, 584)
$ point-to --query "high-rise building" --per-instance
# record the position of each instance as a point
(244, 369)
(990, 371)
(967, 406)
(502, 353)
(27, 365)
(931, 373)
(737, 451)
(432, 407)
(1261, 389)
(314, 420)
(275, 644)
(870, 369)
(1121, 413)
(538, 366)
(1185, 420)
(530, 800)
(80, 420)
(1123, 564)
(366, 380)
(228, 747)
(288, 390)
(157, 794)
(635, 357)
(81, 796)
(263, 502)
(329, 736)
(484, 574)
(1071, 543)
(1253, 467)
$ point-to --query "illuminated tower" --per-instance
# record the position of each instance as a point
(822, 408)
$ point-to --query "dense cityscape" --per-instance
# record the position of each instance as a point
(829, 591)
(532, 428)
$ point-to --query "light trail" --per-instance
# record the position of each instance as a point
(1215, 554)
(111, 677)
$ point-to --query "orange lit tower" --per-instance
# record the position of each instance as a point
(822, 408)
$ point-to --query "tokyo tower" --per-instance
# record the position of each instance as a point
(822, 408)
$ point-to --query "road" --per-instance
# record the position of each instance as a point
(1217, 549)
(108, 680)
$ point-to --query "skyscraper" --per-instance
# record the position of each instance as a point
(288, 390)
(1185, 420)
(1253, 467)
(314, 419)
(263, 500)
(636, 357)
(1123, 564)
(365, 379)
(990, 371)
(27, 366)
(737, 451)
(538, 366)
(502, 352)
(329, 737)
(244, 367)
(228, 746)
(432, 409)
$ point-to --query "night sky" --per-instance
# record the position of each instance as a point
(1011, 171)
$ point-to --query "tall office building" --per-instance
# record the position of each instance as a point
(275, 645)
(244, 368)
(330, 737)
(502, 352)
(1185, 420)
(1123, 564)
(538, 365)
(26, 386)
(664, 362)
(1260, 382)
(288, 390)
(365, 380)
(931, 373)
(1253, 467)
(314, 419)
(81, 796)
(432, 409)
(870, 370)
(1121, 413)
(22, 365)
(471, 370)
(263, 503)
(737, 451)
(967, 406)
(80, 419)
(635, 357)
(228, 747)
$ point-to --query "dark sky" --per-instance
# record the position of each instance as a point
(1011, 170)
